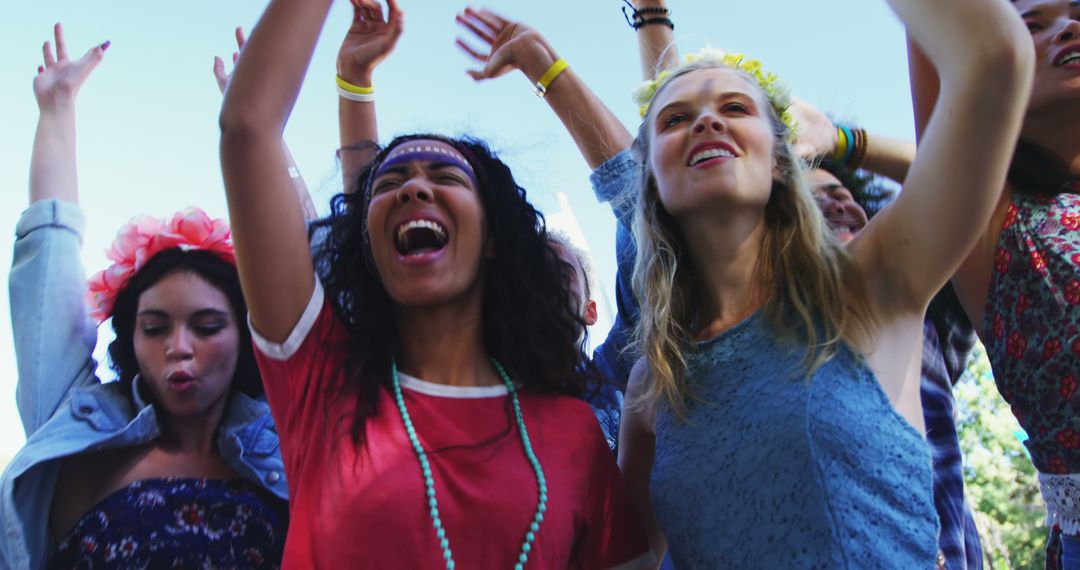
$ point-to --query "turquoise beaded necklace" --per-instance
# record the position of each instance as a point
(429, 481)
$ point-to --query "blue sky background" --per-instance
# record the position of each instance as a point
(147, 123)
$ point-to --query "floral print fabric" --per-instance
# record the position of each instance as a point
(1032, 325)
(179, 523)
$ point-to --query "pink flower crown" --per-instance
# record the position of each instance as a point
(143, 238)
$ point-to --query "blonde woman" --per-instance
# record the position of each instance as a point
(774, 420)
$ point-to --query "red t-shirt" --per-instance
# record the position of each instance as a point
(365, 507)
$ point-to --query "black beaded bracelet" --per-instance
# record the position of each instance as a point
(637, 18)
(638, 24)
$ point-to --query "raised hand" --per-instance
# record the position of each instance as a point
(58, 80)
(815, 133)
(220, 74)
(510, 45)
(370, 39)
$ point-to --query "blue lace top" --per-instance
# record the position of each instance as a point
(179, 523)
(774, 470)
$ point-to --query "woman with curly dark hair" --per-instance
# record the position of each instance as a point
(421, 382)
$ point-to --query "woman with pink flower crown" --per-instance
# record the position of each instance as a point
(177, 463)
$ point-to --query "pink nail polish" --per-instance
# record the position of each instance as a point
(106, 45)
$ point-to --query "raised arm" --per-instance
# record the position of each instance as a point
(52, 164)
(656, 39)
(54, 339)
(983, 54)
(512, 45)
(272, 252)
(369, 41)
(299, 185)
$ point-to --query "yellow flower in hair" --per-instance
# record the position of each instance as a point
(777, 93)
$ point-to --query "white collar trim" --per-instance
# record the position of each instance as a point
(446, 391)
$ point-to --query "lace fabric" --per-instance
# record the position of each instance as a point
(1062, 496)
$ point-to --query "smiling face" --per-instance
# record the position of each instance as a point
(426, 224)
(187, 344)
(843, 214)
(712, 142)
(1055, 29)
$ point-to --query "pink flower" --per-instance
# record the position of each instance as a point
(143, 238)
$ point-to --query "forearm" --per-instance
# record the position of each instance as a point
(596, 131)
(359, 132)
(267, 79)
(890, 157)
(656, 43)
(924, 86)
(52, 164)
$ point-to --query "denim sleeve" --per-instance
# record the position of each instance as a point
(614, 183)
(54, 337)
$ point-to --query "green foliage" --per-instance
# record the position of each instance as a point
(1000, 482)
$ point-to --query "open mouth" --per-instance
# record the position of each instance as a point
(707, 154)
(1070, 56)
(180, 381)
(419, 237)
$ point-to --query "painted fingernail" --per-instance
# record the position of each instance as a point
(106, 45)
(41, 69)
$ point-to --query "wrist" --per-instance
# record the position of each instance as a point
(538, 58)
(356, 74)
(60, 105)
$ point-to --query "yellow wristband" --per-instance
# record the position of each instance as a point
(346, 86)
(549, 76)
(841, 146)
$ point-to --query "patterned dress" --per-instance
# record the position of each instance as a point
(179, 523)
(1032, 336)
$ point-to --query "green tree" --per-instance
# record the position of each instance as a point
(1000, 482)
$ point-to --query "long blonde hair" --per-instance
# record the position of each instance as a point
(813, 295)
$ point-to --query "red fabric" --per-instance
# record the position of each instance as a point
(366, 507)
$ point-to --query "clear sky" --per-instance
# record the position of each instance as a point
(148, 134)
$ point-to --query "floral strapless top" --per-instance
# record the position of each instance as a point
(179, 523)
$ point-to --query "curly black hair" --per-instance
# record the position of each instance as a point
(216, 271)
(528, 321)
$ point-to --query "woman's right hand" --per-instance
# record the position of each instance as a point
(369, 41)
(59, 78)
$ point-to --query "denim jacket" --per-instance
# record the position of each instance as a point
(613, 182)
(64, 407)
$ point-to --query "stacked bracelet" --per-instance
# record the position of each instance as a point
(858, 155)
(549, 76)
(842, 145)
(851, 145)
(355, 92)
(638, 18)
